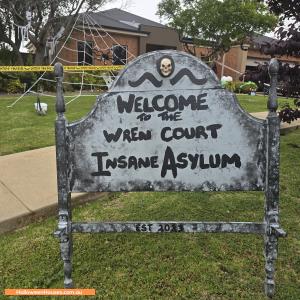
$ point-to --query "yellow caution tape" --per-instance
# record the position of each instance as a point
(26, 68)
(93, 68)
(51, 68)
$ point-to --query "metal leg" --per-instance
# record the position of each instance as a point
(271, 255)
(272, 181)
(273, 232)
(66, 253)
(271, 245)
(64, 233)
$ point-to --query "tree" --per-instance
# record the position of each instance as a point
(289, 44)
(289, 27)
(215, 23)
(47, 16)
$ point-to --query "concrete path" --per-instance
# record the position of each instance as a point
(28, 185)
(284, 128)
(28, 188)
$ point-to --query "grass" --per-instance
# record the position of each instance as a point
(259, 103)
(141, 266)
(166, 266)
(21, 129)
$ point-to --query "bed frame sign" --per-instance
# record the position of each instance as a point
(166, 124)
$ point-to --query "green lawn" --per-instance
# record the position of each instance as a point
(22, 129)
(259, 103)
(166, 266)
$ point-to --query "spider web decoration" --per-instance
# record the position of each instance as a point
(95, 43)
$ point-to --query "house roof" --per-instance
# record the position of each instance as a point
(122, 16)
(258, 40)
(119, 19)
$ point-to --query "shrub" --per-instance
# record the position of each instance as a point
(47, 85)
(237, 86)
(14, 86)
(229, 85)
(15, 82)
(27, 77)
(288, 113)
(248, 87)
(68, 87)
(88, 79)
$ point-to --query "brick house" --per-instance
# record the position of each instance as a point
(249, 58)
(241, 58)
(115, 36)
(108, 33)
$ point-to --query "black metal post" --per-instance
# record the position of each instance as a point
(64, 232)
(273, 230)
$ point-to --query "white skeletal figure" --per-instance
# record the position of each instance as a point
(166, 67)
(52, 42)
(28, 16)
(23, 31)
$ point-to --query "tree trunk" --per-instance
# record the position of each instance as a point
(39, 58)
(20, 60)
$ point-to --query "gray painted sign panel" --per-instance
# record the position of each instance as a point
(176, 132)
(167, 127)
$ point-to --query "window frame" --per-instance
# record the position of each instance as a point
(83, 61)
(126, 53)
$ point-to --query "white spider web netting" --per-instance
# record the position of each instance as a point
(87, 44)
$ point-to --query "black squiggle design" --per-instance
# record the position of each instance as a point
(190, 75)
(145, 76)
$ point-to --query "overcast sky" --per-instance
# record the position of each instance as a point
(143, 8)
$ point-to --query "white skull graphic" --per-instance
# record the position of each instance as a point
(166, 67)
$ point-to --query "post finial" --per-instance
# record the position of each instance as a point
(58, 70)
(273, 72)
(60, 101)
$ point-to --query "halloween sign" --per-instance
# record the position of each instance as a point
(166, 124)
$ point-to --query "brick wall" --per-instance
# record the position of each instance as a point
(103, 42)
(236, 59)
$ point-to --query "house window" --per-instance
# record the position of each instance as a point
(85, 53)
(119, 56)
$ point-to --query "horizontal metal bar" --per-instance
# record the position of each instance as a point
(278, 231)
(58, 233)
(170, 226)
